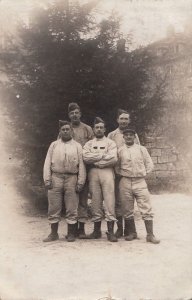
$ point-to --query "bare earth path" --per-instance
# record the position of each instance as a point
(31, 269)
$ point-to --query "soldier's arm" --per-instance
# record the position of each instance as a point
(137, 141)
(90, 157)
(110, 135)
(110, 158)
(47, 166)
(147, 160)
(82, 170)
(90, 133)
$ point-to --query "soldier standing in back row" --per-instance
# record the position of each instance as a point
(123, 120)
(82, 133)
(101, 156)
(134, 164)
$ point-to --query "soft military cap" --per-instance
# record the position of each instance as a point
(73, 106)
(122, 111)
(127, 130)
(98, 120)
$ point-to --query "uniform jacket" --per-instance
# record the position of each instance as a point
(64, 158)
(100, 152)
(81, 133)
(133, 161)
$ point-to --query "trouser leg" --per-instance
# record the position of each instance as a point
(108, 189)
(142, 197)
(144, 204)
(71, 198)
(118, 211)
(55, 200)
(82, 208)
(97, 196)
(126, 197)
(82, 212)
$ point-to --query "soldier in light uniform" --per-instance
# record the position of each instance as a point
(101, 156)
(123, 120)
(82, 133)
(64, 177)
(134, 164)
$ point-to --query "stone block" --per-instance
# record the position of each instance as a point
(150, 139)
(162, 174)
(154, 159)
(148, 145)
(172, 158)
(161, 143)
(155, 152)
(151, 176)
(163, 159)
(161, 167)
(167, 151)
(171, 167)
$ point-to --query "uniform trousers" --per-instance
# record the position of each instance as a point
(131, 189)
(118, 210)
(83, 207)
(101, 185)
(63, 189)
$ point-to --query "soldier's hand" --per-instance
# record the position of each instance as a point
(101, 166)
(107, 156)
(79, 187)
(48, 185)
(97, 164)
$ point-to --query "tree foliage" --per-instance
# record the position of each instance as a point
(65, 56)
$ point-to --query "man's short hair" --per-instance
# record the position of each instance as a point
(98, 120)
(122, 111)
(72, 106)
(63, 123)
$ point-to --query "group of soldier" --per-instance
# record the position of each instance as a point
(111, 170)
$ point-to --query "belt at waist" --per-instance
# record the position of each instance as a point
(92, 166)
(62, 174)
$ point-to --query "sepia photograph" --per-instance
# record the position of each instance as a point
(96, 150)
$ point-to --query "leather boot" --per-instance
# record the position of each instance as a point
(110, 234)
(81, 231)
(71, 232)
(96, 234)
(119, 231)
(150, 236)
(53, 236)
(130, 229)
(76, 231)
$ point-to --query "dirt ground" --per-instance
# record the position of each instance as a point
(86, 270)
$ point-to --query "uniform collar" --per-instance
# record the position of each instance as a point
(67, 142)
(102, 139)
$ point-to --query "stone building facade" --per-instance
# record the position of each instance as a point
(170, 140)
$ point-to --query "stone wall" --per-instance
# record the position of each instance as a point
(171, 171)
